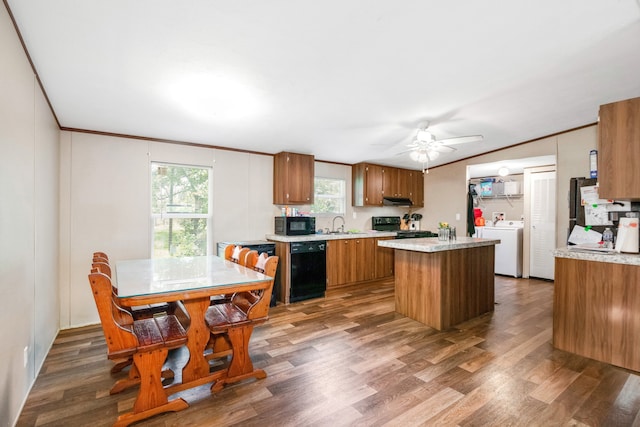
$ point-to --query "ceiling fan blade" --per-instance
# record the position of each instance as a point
(405, 152)
(460, 139)
(443, 148)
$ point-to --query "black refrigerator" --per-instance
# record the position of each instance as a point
(576, 210)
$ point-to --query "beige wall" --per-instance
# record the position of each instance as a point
(105, 204)
(28, 225)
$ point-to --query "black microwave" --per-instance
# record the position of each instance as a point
(295, 225)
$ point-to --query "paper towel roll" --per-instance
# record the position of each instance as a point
(627, 240)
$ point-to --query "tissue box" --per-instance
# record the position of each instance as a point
(511, 187)
(486, 188)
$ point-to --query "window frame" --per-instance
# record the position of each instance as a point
(343, 197)
(179, 215)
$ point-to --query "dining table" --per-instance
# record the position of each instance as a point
(193, 281)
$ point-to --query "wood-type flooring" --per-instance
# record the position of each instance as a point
(350, 360)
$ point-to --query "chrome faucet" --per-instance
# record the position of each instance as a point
(333, 226)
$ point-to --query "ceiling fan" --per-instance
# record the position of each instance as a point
(426, 147)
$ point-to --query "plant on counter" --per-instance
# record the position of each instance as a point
(443, 231)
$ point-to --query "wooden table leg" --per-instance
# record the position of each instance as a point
(152, 398)
(197, 366)
(241, 366)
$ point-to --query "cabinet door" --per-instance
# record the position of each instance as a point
(340, 262)
(300, 182)
(619, 150)
(373, 182)
(416, 188)
(364, 259)
(334, 266)
(403, 183)
(384, 259)
(389, 182)
(293, 176)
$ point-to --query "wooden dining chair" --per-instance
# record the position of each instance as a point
(127, 315)
(228, 251)
(147, 342)
(234, 322)
(236, 254)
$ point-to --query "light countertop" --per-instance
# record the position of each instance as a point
(432, 244)
(315, 237)
(613, 257)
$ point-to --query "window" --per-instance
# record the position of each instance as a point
(329, 196)
(180, 211)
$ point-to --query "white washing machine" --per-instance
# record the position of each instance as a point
(508, 258)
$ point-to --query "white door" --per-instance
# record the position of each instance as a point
(542, 227)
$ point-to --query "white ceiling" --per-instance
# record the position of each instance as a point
(347, 80)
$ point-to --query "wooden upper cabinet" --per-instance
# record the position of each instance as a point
(389, 182)
(619, 150)
(416, 188)
(373, 182)
(293, 176)
(367, 182)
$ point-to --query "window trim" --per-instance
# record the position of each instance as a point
(343, 197)
(165, 215)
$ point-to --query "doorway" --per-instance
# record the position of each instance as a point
(527, 166)
(540, 220)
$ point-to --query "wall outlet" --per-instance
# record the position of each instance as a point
(457, 217)
(26, 356)
(354, 215)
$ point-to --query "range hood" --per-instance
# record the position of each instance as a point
(396, 201)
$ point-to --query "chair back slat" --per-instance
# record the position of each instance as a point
(228, 252)
(255, 304)
(120, 340)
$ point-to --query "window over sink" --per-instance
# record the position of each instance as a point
(329, 196)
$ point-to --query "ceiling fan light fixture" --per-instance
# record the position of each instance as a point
(420, 156)
(433, 154)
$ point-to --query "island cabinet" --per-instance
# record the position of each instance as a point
(384, 259)
(619, 150)
(293, 176)
(596, 310)
(442, 284)
(351, 261)
(373, 182)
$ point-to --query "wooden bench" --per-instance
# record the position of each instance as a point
(234, 321)
(147, 342)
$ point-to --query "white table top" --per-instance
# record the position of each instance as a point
(155, 276)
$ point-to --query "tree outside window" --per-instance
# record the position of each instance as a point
(180, 197)
(329, 196)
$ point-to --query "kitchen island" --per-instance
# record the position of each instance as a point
(596, 306)
(443, 283)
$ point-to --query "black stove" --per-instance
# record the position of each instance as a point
(392, 223)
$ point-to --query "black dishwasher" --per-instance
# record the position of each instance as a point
(308, 270)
